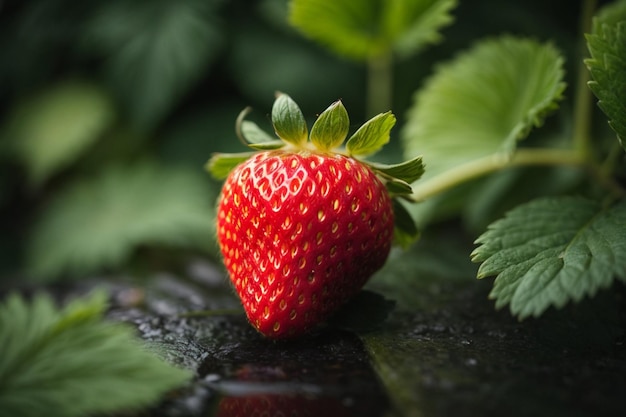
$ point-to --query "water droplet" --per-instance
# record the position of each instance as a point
(471, 362)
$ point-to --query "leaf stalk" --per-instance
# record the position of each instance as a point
(379, 83)
(493, 163)
(583, 99)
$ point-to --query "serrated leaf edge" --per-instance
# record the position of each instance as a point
(525, 311)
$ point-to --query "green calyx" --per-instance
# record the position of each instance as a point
(327, 135)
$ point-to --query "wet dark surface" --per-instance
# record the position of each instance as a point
(444, 351)
(447, 352)
(238, 371)
(325, 375)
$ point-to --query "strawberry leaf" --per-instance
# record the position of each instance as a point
(409, 171)
(153, 52)
(611, 14)
(405, 231)
(372, 136)
(104, 219)
(552, 251)
(288, 120)
(331, 127)
(372, 27)
(51, 130)
(483, 102)
(415, 24)
(477, 107)
(71, 362)
(220, 164)
(607, 45)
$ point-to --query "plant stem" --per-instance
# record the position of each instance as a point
(379, 83)
(492, 163)
(583, 99)
(615, 155)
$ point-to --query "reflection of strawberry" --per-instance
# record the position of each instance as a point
(301, 225)
(281, 405)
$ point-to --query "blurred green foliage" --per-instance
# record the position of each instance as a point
(109, 110)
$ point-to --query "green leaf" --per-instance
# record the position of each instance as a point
(398, 187)
(611, 14)
(475, 108)
(405, 231)
(552, 251)
(372, 135)
(267, 146)
(262, 61)
(409, 171)
(51, 130)
(607, 45)
(331, 127)
(249, 132)
(73, 363)
(253, 134)
(288, 120)
(154, 51)
(414, 24)
(482, 102)
(98, 222)
(221, 164)
(369, 28)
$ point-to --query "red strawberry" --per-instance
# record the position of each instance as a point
(300, 234)
(282, 405)
(302, 228)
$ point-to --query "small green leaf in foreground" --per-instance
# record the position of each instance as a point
(607, 45)
(552, 251)
(73, 363)
(372, 135)
(331, 127)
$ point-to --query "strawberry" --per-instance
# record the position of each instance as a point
(282, 405)
(302, 225)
